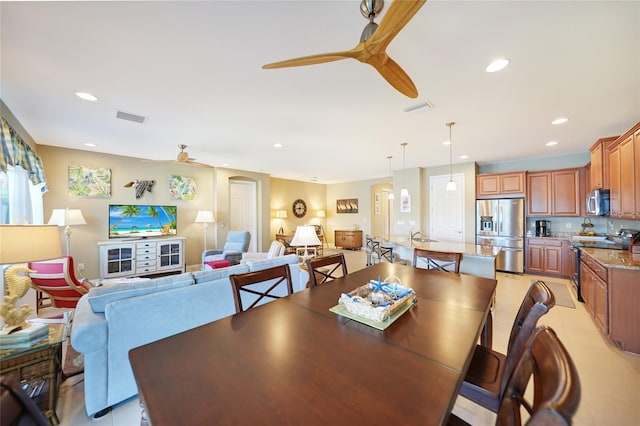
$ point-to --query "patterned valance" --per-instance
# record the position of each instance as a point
(16, 152)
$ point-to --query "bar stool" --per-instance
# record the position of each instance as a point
(373, 247)
(385, 251)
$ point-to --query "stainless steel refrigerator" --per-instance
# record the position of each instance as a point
(501, 223)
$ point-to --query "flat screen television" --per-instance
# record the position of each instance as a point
(141, 221)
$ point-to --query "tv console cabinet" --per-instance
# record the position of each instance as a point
(139, 257)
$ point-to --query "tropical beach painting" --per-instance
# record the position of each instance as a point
(142, 221)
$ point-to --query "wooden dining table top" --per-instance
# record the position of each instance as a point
(292, 361)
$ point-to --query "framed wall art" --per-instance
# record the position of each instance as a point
(347, 205)
(89, 182)
(405, 203)
(182, 187)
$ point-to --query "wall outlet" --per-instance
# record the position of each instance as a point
(80, 267)
(568, 225)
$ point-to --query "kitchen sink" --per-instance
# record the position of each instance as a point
(599, 239)
(424, 240)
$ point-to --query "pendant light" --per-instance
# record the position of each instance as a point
(391, 196)
(404, 191)
(451, 185)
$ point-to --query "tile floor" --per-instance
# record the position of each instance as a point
(610, 379)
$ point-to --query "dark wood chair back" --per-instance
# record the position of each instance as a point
(326, 268)
(259, 286)
(16, 408)
(441, 261)
(556, 385)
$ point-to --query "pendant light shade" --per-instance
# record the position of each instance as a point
(451, 185)
(404, 191)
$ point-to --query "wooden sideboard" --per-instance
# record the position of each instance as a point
(348, 239)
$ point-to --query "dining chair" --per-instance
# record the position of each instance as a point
(438, 260)
(16, 407)
(252, 288)
(489, 371)
(326, 269)
(556, 385)
(57, 279)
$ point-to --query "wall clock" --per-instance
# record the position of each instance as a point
(299, 208)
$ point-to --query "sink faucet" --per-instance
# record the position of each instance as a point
(412, 235)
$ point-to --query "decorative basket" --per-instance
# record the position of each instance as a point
(377, 300)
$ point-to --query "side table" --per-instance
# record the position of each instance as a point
(38, 368)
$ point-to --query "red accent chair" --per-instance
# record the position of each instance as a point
(57, 279)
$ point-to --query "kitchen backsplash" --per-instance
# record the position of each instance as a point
(572, 225)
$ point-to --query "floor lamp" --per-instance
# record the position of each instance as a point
(321, 214)
(67, 217)
(205, 217)
(282, 215)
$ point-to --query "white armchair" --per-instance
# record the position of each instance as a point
(275, 249)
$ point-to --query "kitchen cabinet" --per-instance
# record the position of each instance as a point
(134, 258)
(569, 260)
(544, 256)
(500, 185)
(624, 176)
(348, 239)
(598, 176)
(593, 279)
(555, 193)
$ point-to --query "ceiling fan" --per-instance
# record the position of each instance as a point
(373, 44)
(183, 157)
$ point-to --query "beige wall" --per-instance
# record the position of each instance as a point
(284, 192)
(123, 169)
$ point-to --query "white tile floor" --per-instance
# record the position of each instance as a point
(610, 379)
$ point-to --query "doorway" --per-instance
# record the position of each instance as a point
(243, 201)
(381, 210)
(446, 221)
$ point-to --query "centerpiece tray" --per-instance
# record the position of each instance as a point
(376, 304)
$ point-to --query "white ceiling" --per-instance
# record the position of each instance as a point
(194, 69)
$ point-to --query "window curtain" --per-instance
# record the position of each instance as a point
(23, 182)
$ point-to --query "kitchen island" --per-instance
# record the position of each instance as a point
(476, 259)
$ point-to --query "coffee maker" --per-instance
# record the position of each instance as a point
(543, 228)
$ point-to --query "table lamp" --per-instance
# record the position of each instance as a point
(305, 236)
(67, 217)
(205, 217)
(281, 214)
(20, 244)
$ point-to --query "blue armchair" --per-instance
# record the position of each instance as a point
(236, 244)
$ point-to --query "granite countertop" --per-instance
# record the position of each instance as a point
(444, 246)
(622, 259)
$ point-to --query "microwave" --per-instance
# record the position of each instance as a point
(598, 202)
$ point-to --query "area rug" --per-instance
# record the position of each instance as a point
(73, 362)
(561, 293)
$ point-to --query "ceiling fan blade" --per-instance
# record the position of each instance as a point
(399, 14)
(310, 60)
(394, 74)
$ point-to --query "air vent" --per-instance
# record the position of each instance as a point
(131, 117)
(426, 104)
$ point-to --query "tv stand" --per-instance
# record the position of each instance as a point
(139, 257)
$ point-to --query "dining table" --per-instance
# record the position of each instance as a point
(293, 361)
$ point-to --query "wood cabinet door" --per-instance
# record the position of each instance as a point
(566, 192)
(614, 181)
(586, 286)
(568, 260)
(600, 305)
(553, 260)
(636, 191)
(487, 186)
(627, 176)
(512, 183)
(596, 181)
(539, 194)
(535, 258)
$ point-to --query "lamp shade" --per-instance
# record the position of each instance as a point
(321, 213)
(28, 243)
(305, 236)
(281, 214)
(205, 216)
(65, 217)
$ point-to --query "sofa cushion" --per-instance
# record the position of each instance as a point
(217, 264)
(218, 274)
(99, 297)
(256, 265)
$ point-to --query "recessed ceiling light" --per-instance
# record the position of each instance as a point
(92, 145)
(551, 143)
(497, 65)
(277, 145)
(464, 157)
(560, 120)
(87, 96)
